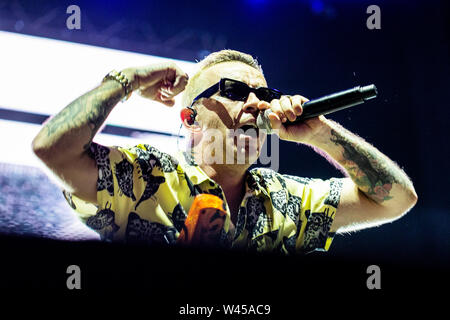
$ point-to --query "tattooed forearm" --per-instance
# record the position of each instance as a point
(97, 116)
(80, 120)
(366, 169)
(373, 172)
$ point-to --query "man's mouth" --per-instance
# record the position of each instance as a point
(246, 134)
(248, 127)
(248, 131)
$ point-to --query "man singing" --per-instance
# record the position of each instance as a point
(141, 194)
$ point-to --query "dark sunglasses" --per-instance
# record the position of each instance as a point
(238, 91)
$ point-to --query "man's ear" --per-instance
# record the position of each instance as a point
(188, 117)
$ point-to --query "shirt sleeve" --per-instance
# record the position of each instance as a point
(320, 200)
(121, 188)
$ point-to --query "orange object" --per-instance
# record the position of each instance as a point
(204, 222)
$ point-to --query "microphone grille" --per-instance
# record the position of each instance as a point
(263, 122)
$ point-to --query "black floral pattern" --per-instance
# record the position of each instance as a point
(316, 231)
(269, 197)
(298, 179)
(260, 224)
(193, 188)
(279, 201)
(216, 191)
(335, 193)
(104, 223)
(151, 187)
(105, 176)
(178, 216)
(145, 232)
(255, 208)
(240, 222)
(252, 180)
(165, 162)
(293, 207)
(144, 159)
(267, 177)
(124, 176)
(189, 158)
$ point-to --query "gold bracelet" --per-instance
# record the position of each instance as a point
(123, 80)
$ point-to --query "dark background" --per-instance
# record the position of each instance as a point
(310, 48)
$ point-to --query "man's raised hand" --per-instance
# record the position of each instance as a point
(160, 82)
(287, 109)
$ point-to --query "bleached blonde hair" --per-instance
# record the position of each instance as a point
(193, 88)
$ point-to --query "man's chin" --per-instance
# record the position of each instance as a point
(245, 155)
(232, 153)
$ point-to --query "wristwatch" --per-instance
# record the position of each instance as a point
(123, 80)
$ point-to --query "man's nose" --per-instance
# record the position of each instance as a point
(251, 104)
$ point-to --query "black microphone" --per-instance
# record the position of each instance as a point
(324, 105)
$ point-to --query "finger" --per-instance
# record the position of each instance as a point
(263, 105)
(303, 99)
(166, 93)
(275, 121)
(180, 83)
(165, 99)
(175, 78)
(155, 91)
(276, 108)
(158, 95)
(297, 102)
(286, 106)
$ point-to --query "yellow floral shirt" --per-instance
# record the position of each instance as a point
(144, 195)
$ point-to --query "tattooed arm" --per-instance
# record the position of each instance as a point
(63, 142)
(377, 191)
